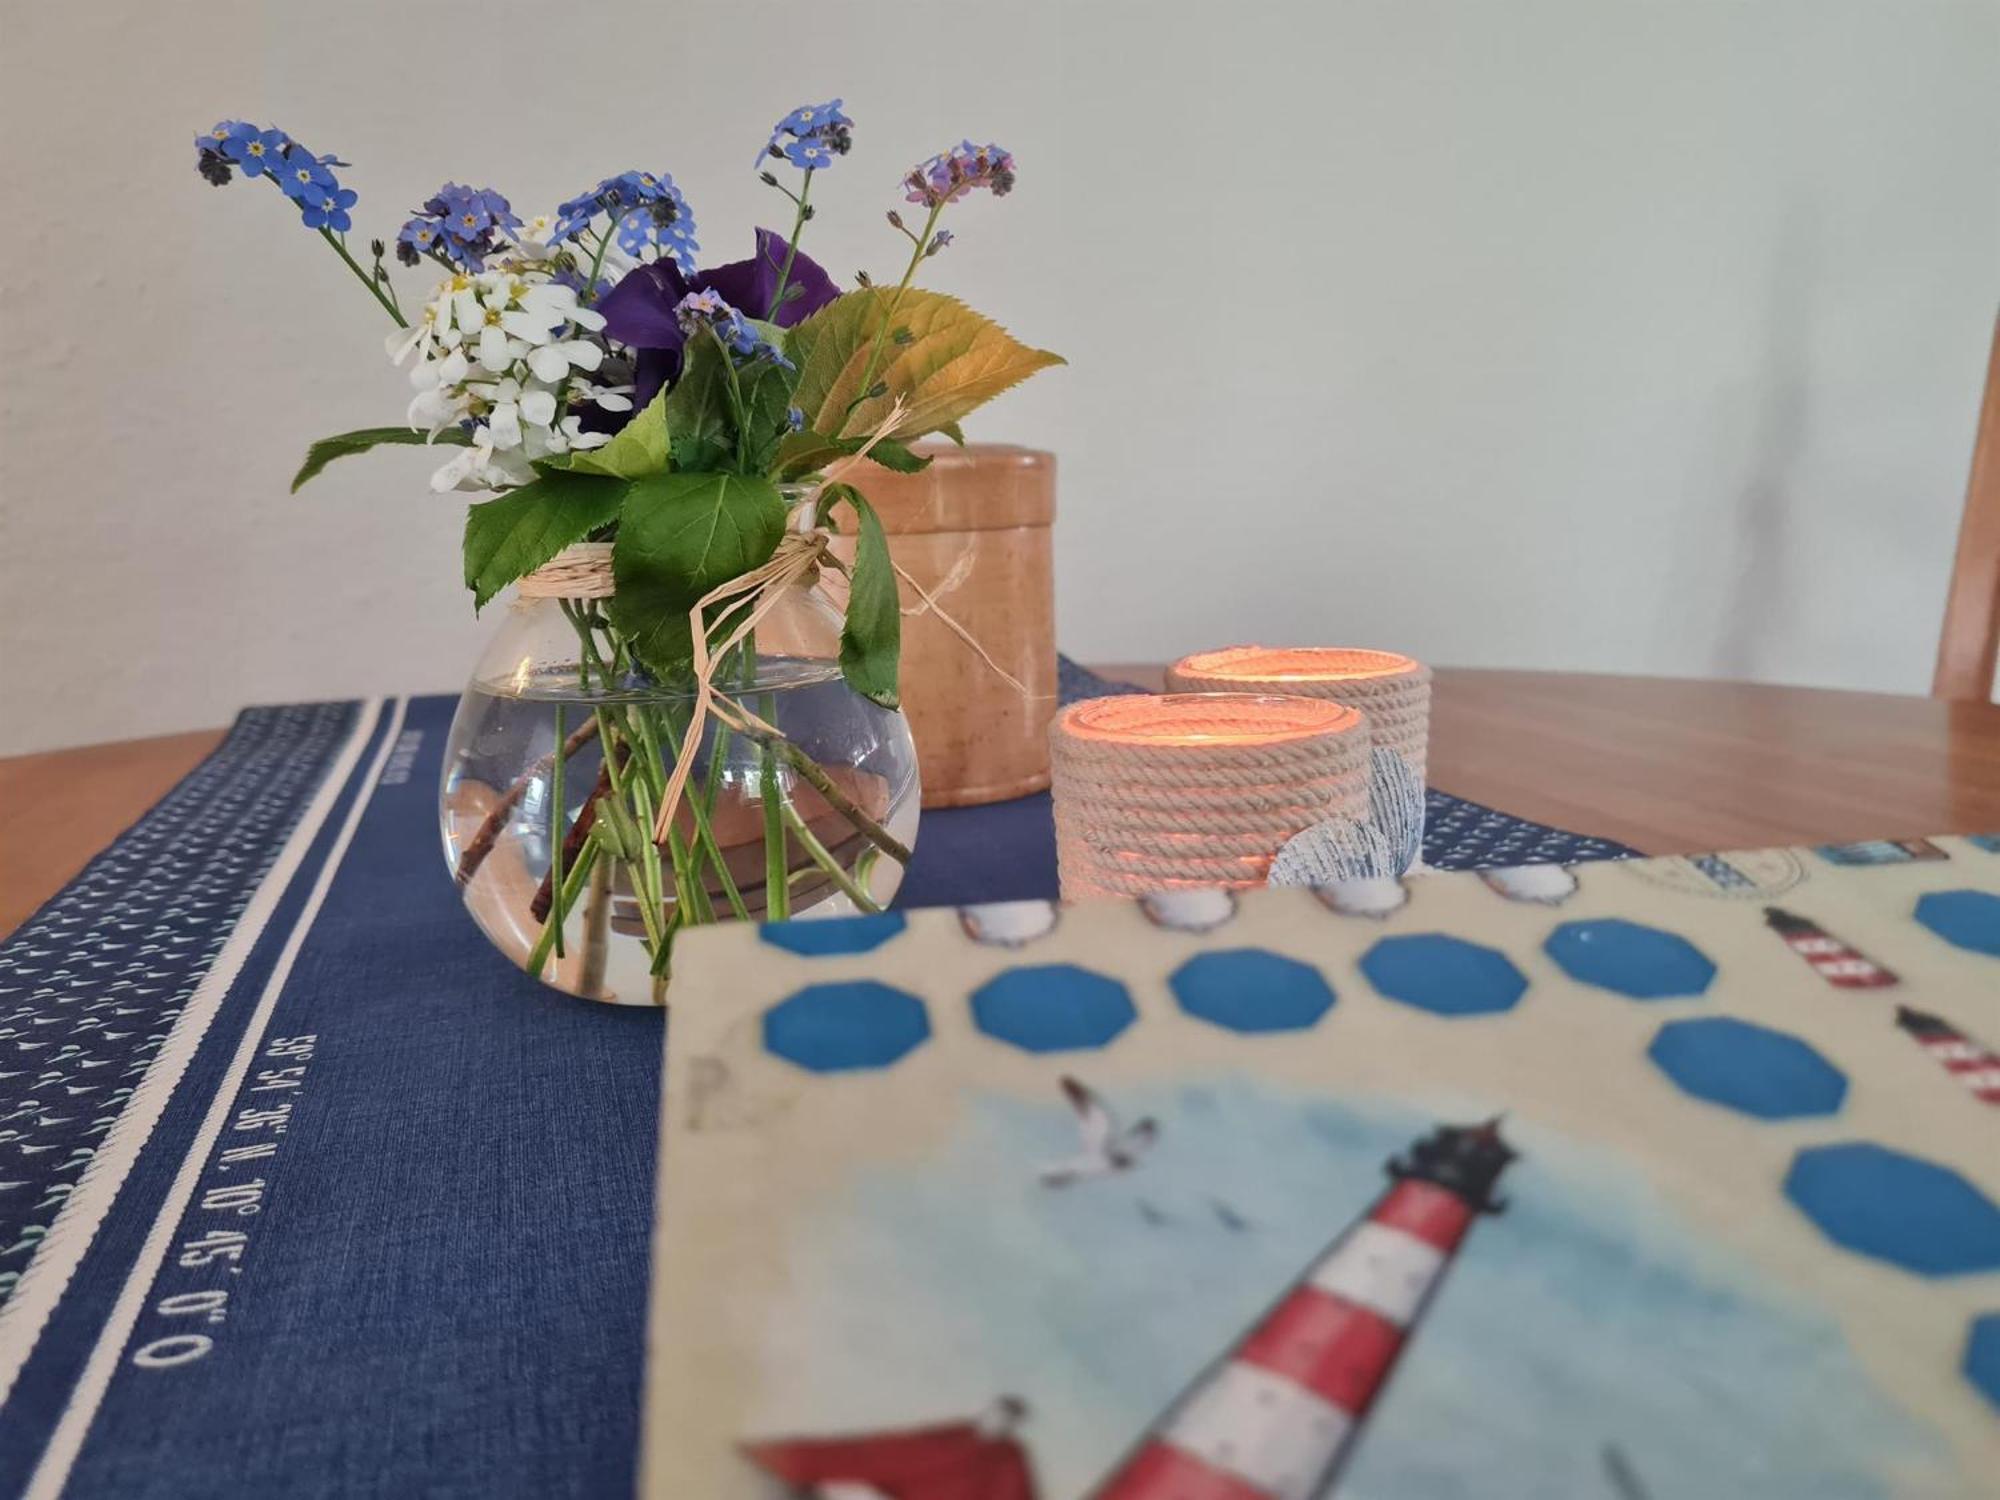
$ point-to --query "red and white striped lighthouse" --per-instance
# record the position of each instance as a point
(1274, 1418)
(1962, 1057)
(1834, 961)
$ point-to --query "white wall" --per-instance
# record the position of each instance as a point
(1594, 334)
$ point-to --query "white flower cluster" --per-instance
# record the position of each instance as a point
(504, 350)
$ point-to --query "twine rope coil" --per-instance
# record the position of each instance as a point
(1202, 789)
(1393, 690)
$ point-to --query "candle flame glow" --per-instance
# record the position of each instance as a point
(1190, 719)
(1259, 664)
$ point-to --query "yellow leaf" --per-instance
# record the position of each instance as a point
(955, 360)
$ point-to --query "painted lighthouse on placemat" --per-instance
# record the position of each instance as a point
(1833, 960)
(1276, 1416)
(1966, 1060)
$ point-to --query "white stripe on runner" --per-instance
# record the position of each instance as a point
(52, 1473)
(41, 1287)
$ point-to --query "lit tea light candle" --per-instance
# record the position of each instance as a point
(1393, 690)
(1156, 793)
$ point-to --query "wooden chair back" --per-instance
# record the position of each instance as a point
(1970, 641)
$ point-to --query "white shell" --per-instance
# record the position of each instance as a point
(1374, 896)
(1546, 885)
(1008, 924)
(1189, 910)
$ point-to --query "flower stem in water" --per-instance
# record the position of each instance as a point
(538, 959)
(823, 857)
(777, 894)
(560, 909)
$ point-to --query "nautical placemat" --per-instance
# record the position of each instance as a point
(1665, 1177)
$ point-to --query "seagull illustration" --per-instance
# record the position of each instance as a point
(1107, 1146)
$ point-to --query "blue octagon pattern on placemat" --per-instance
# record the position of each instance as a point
(1052, 1008)
(840, 1028)
(1751, 1069)
(1630, 959)
(1897, 1208)
(1444, 975)
(1251, 990)
(1965, 919)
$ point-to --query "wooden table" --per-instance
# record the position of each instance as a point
(1664, 765)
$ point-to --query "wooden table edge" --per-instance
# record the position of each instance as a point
(1665, 765)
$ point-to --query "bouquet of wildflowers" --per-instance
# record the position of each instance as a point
(703, 429)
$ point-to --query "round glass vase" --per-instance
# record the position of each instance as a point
(553, 849)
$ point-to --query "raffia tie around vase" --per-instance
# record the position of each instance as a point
(1393, 690)
(582, 571)
(1156, 793)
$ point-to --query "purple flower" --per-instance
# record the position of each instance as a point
(750, 284)
(954, 173)
(640, 311)
(698, 309)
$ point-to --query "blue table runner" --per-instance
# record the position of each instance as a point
(304, 1189)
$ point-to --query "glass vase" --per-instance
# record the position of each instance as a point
(805, 805)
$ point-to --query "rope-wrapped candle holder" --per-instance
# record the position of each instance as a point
(1155, 793)
(1393, 690)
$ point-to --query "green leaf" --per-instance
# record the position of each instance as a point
(810, 457)
(637, 449)
(697, 410)
(808, 452)
(679, 536)
(871, 640)
(897, 457)
(767, 398)
(953, 431)
(956, 360)
(702, 415)
(326, 450)
(513, 535)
